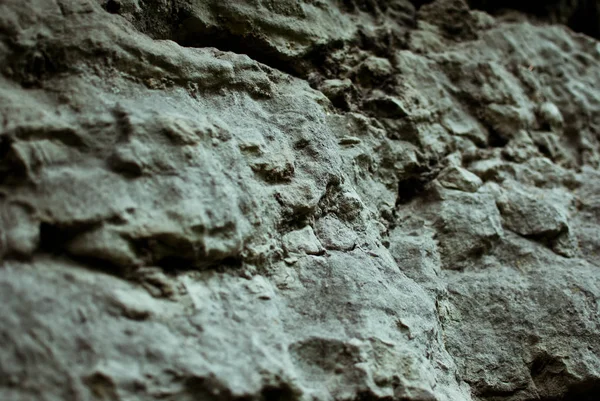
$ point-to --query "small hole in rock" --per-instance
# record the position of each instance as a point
(112, 6)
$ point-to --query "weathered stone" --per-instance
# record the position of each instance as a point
(452, 16)
(20, 229)
(468, 225)
(529, 216)
(386, 106)
(335, 234)
(341, 92)
(373, 71)
(104, 244)
(163, 165)
(302, 241)
(565, 244)
(550, 116)
(459, 178)
(417, 255)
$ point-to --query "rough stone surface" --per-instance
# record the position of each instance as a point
(455, 177)
(303, 200)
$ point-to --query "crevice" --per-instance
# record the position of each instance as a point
(409, 188)
(414, 183)
(543, 149)
(31, 66)
(420, 3)
(54, 237)
(112, 6)
(495, 139)
(13, 171)
(283, 392)
(581, 16)
(586, 390)
(193, 34)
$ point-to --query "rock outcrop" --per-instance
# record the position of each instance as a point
(299, 200)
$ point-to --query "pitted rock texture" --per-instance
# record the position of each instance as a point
(299, 200)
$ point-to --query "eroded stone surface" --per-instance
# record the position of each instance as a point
(297, 200)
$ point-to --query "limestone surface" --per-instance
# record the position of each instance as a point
(303, 200)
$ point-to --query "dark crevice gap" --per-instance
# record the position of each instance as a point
(192, 33)
(581, 16)
(553, 385)
(587, 390)
(496, 140)
(172, 265)
(420, 3)
(112, 6)
(543, 149)
(254, 47)
(410, 188)
(54, 237)
(415, 183)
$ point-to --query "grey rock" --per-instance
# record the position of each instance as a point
(530, 216)
(298, 200)
(386, 106)
(550, 115)
(20, 229)
(335, 234)
(469, 226)
(452, 16)
(302, 241)
(340, 91)
(373, 71)
(459, 178)
(416, 253)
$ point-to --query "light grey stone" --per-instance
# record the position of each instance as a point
(20, 229)
(302, 241)
(275, 200)
(550, 115)
(469, 226)
(335, 234)
(458, 178)
(529, 215)
(417, 255)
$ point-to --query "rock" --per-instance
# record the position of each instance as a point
(104, 244)
(459, 178)
(373, 71)
(302, 241)
(417, 255)
(299, 200)
(505, 122)
(565, 244)
(469, 226)
(335, 234)
(563, 12)
(20, 231)
(543, 217)
(386, 106)
(516, 358)
(274, 167)
(452, 16)
(550, 116)
(530, 216)
(341, 92)
(462, 124)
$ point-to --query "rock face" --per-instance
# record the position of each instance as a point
(298, 200)
(581, 15)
